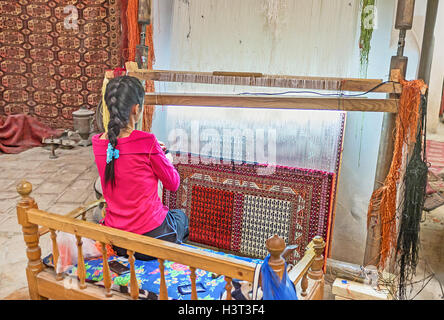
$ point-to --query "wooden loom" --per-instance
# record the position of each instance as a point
(266, 101)
(341, 85)
(307, 274)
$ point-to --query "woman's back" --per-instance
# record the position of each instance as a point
(132, 200)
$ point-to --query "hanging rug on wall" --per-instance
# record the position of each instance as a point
(53, 55)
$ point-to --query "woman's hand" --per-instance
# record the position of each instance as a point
(169, 157)
(162, 145)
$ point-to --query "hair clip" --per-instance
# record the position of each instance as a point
(111, 153)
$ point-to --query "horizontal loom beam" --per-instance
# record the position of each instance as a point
(260, 80)
(272, 102)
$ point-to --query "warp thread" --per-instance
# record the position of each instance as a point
(383, 200)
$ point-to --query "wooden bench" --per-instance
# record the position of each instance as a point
(44, 283)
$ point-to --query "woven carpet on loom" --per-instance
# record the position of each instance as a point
(48, 67)
(230, 206)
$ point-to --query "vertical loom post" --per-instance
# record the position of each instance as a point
(31, 237)
(404, 21)
(276, 246)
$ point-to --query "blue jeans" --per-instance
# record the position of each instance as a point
(173, 229)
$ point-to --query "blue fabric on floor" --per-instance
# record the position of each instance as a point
(148, 275)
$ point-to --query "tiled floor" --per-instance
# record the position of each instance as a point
(59, 185)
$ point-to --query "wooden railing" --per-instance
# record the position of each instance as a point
(81, 211)
(42, 284)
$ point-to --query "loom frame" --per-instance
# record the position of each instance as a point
(388, 105)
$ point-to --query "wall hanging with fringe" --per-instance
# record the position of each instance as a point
(50, 67)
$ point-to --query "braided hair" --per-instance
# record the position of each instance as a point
(121, 94)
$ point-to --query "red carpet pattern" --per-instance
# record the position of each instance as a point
(53, 56)
(230, 206)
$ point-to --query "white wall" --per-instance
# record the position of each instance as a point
(362, 133)
(361, 142)
(161, 37)
(436, 73)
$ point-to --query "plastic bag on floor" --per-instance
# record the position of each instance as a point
(68, 253)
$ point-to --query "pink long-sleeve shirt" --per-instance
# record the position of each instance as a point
(133, 204)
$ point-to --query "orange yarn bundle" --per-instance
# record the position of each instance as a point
(133, 28)
(383, 200)
(109, 249)
(148, 111)
(133, 41)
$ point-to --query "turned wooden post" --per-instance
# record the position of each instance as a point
(304, 285)
(55, 254)
(81, 270)
(193, 283)
(134, 285)
(276, 246)
(228, 287)
(163, 293)
(31, 236)
(106, 272)
(316, 271)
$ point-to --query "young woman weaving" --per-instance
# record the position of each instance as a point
(130, 164)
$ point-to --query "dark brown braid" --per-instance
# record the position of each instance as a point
(121, 94)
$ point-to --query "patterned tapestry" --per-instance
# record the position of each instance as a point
(230, 206)
(53, 56)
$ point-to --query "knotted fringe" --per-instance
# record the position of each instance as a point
(415, 183)
(383, 200)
